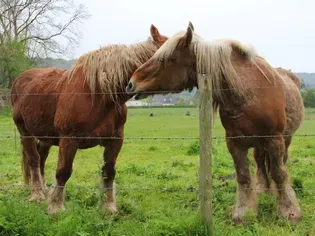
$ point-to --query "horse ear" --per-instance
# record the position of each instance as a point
(191, 26)
(187, 38)
(156, 36)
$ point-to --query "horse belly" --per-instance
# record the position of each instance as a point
(251, 121)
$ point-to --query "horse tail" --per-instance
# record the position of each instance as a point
(25, 168)
(13, 93)
(296, 80)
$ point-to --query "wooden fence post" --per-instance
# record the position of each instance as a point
(205, 171)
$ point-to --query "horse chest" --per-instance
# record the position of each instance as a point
(104, 130)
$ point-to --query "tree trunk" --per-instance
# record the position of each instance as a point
(10, 81)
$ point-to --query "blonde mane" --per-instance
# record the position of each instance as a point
(107, 70)
(214, 59)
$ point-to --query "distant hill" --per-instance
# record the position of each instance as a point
(58, 63)
(308, 78)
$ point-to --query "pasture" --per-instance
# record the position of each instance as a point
(156, 181)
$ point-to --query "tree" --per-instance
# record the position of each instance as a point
(303, 85)
(149, 100)
(309, 98)
(13, 61)
(181, 102)
(40, 28)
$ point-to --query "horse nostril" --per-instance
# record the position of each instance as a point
(130, 87)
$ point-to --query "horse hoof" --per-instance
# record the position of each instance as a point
(37, 197)
(244, 215)
(52, 210)
(111, 206)
(294, 219)
(237, 220)
(293, 214)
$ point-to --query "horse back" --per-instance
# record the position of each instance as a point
(296, 80)
(33, 99)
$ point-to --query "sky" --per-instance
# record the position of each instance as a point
(282, 31)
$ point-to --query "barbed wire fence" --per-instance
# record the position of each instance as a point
(9, 132)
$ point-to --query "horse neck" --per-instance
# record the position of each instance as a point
(142, 56)
(122, 97)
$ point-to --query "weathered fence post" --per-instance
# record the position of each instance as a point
(205, 171)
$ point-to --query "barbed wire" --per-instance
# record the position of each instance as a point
(163, 189)
(143, 92)
(155, 138)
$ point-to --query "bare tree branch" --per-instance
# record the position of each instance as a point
(41, 22)
(36, 29)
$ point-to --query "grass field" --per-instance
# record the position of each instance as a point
(309, 113)
(158, 165)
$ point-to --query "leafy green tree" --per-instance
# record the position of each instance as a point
(181, 102)
(149, 100)
(13, 61)
(309, 98)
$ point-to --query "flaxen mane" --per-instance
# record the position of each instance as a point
(108, 69)
(214, 59)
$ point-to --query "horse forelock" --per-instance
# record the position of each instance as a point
(107, 70)
(168, 48)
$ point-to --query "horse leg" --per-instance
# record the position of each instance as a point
(262, 182)
(287, 141)
(43, 150)
(288, 205)
(33, 161)
(67, 151)
(272, 185)
(245, 196)
(112, 149)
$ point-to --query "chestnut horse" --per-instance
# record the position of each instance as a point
(76, 109)
(252, 99)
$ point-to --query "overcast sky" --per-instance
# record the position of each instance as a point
(282, 31)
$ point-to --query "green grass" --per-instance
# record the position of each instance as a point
(153, 164)
(309, 113)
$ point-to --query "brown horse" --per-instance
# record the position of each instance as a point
(252, 99)
(76, 109)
